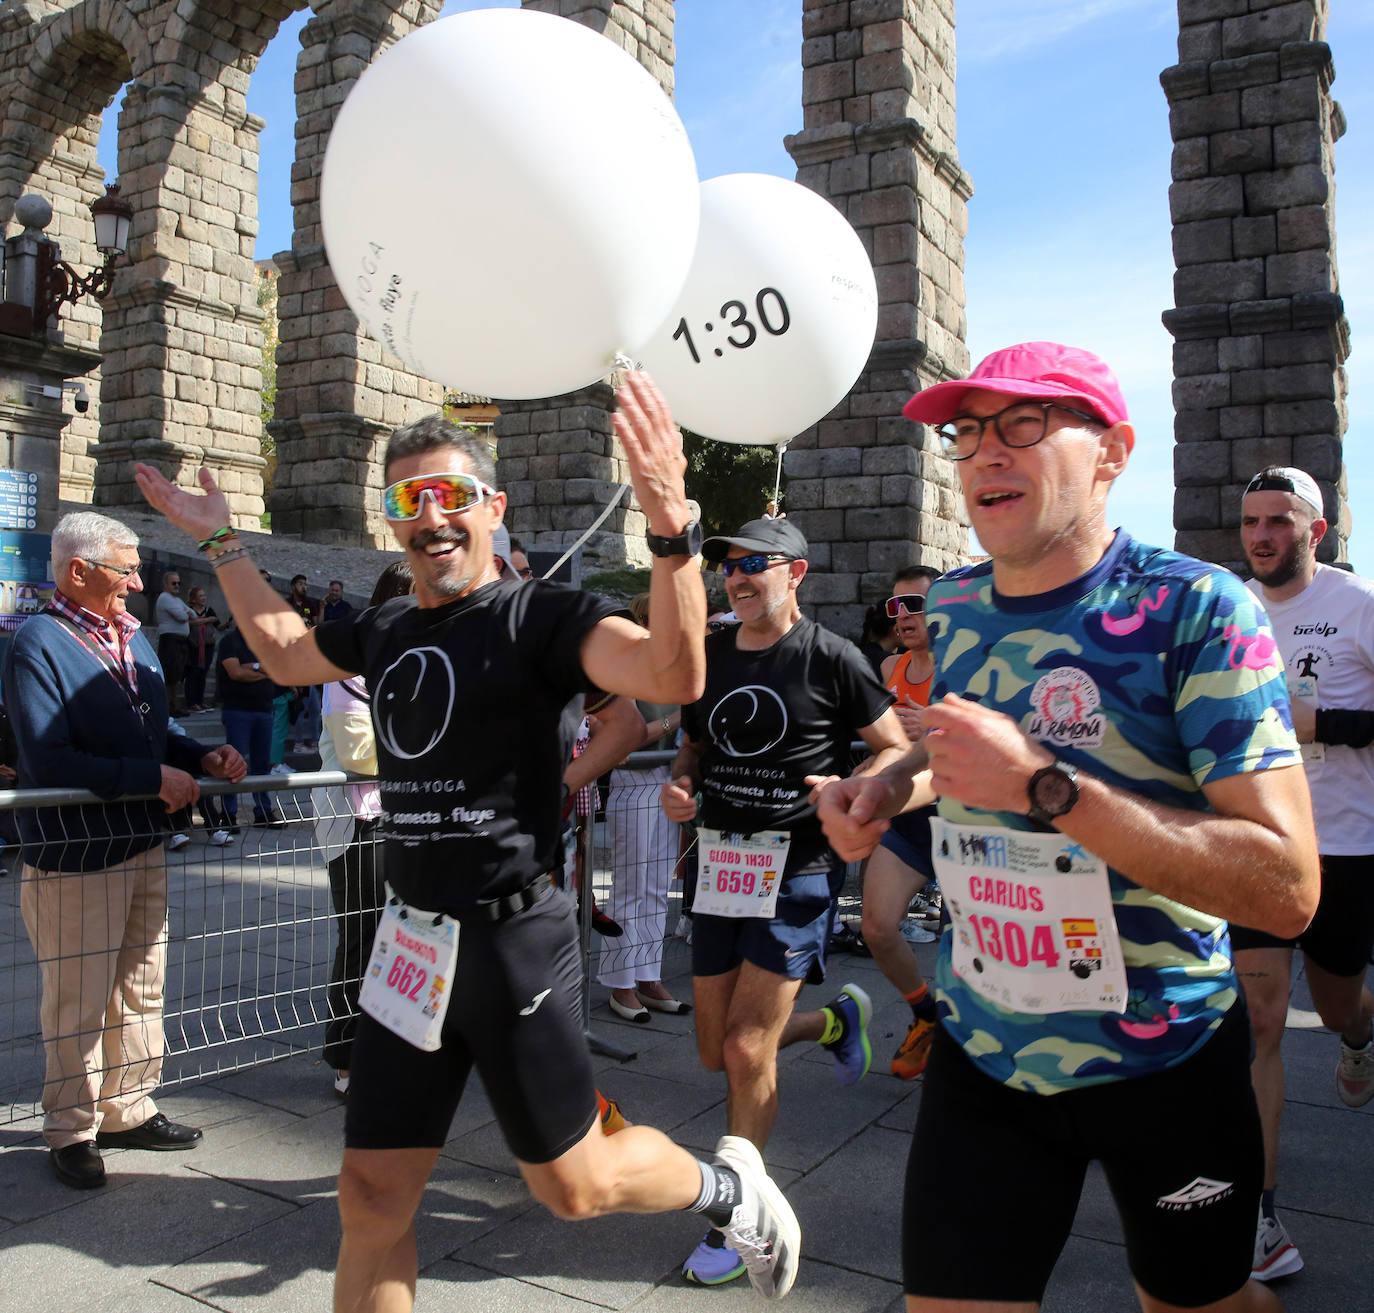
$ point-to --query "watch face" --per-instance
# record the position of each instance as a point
(1054, 792)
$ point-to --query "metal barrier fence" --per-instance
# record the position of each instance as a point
(251, 931)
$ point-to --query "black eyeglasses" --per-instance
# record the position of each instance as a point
(911, 603)
(123, 571)
(755, 564)
(1020, 425)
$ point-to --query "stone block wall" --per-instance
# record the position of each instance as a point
(57, 74)
(1259, 327)
(339, 394)
(871, 491)
(183, 332)
(558, 458)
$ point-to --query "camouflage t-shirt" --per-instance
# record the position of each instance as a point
(1158, 674)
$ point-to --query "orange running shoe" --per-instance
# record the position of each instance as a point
(612, 1119)
(910, 1059)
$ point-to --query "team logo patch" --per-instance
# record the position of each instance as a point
(1066, 710)
(1200, 1192)
(413, 702)
(748, 721)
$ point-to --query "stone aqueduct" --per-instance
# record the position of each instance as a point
(1258, 320)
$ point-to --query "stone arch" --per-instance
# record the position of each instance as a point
(339, 394)
(62, 82)
(183, 332)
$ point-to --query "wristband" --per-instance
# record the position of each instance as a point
(233, 554)
(215, 553)
(219, 535)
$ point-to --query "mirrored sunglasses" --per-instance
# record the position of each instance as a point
(911, 603)
(756, 564)
(450, 493)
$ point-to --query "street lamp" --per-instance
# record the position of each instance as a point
(59, 284)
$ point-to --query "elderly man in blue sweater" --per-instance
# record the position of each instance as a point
(89, 706)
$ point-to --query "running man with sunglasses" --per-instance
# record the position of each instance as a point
(1110, 740)
(477, 685)
(900, 867)
(784, 699)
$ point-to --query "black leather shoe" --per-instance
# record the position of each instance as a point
(156, 1133)
(79, 1165)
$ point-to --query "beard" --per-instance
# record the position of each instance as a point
(1284, 569)
(445, 575)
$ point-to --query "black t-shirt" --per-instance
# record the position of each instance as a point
(768, 719)
(475, 705)
(242, 695)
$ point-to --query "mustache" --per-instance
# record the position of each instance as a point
(446, 534)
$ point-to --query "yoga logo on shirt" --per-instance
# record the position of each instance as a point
(748, 721)
(413, 702)
(1067, 710)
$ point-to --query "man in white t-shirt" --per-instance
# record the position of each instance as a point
(1323, 623)
(174, 618)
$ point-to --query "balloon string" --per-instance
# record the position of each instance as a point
(777, 481)
(595, 525)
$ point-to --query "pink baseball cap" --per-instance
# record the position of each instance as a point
(1042, 371)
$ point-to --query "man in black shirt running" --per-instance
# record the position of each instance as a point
(476, 689)
(783, 701)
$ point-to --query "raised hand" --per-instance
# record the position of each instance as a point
(653, 448)
(199, 514)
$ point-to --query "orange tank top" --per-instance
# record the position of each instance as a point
(912, 695)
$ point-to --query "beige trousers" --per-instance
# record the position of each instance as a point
(101, 941)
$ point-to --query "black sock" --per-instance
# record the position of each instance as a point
(720, 1192)
(1267, 1203)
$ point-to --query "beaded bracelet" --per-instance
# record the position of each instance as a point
(219, 549)
(218, 536)
(233, 554)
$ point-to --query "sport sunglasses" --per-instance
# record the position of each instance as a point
(756, 564)
(451, 493)
(911, 603)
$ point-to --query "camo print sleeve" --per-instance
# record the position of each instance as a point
(1157, 673)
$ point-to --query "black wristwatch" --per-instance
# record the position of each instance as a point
(1052, 790)
(686, 543)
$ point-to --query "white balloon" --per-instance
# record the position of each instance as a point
(509, 200)
(777, 317)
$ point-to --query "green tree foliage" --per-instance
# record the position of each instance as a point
(732, 483)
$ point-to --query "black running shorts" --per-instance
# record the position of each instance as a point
(994, 1175)
(515, 1013)
(1341, 936)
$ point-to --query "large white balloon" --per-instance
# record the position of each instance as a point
(776, 319)
(508, 200)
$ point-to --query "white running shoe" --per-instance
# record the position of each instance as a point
(762, 1230)
(1275, 1254)
(281, 768)
(1355, 1075)
(177, 842)
(220, 837)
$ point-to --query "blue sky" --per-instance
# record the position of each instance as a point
(1064, 130)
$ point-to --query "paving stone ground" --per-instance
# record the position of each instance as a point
(248, 1220)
